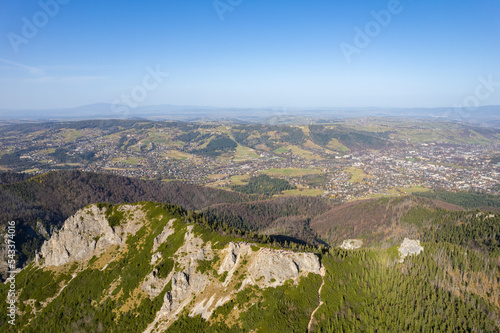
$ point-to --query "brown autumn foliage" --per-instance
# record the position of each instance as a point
(376, 221)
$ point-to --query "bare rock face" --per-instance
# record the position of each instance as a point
(351, 244)
(180, 287)
(161, 238)
(153, 285)
(85, 234)
(41, 230)
(232, 253)
(206, 307)
(409, 247)
(185, 283)
(277, 266)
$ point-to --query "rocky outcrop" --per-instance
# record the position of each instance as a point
(153, 285)
(263, 267)
(232, 253)
(192, 291)
(187, 282)
(351, 244)
(85, 234)
(162, 237)
(409, 247)
(267, 267)
(206, 307)
(274, 267)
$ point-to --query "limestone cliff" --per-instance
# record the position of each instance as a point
(203, 277)
(86, 234)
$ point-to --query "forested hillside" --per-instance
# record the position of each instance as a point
(284, 216)
(175, 271)
(41, 204)
(264, 185)
(379, 222)
(468, 200)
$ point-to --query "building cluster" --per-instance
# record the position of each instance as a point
(453, 167)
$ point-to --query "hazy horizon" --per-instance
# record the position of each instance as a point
(242, 54)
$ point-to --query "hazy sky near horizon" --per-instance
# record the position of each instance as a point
(249, 53)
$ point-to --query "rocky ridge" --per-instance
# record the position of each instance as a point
(87, 233)
(193, 290)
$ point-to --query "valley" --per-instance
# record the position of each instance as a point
(235, 166)
(342, 161)
(141, 226)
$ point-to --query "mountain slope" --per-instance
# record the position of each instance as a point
(377, 221)
(158, 268)
(40, 204)
(283, 216)
(149, 269)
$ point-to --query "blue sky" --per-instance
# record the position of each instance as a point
(256, 53)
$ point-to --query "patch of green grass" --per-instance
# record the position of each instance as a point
(113, 215)
(281, 150)
(304, 192)
(393, 252)
(224, 310)
(291, 172)
(223, 277)
(208, 265)
(131, 161)
(92, 261)
(165, 267)
(357, 175)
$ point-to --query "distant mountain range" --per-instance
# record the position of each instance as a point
(486, 115)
